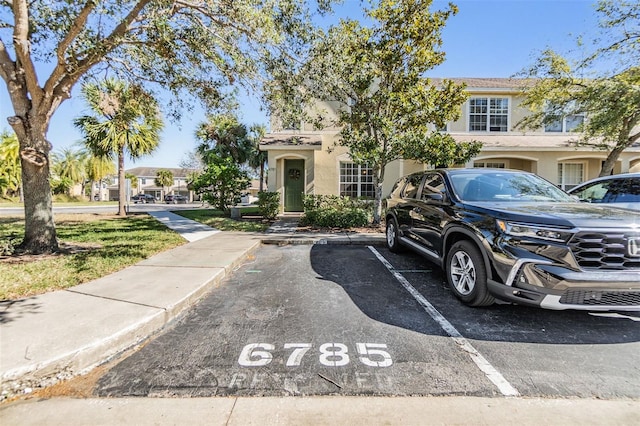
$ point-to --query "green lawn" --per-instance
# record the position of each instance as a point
(100, 245)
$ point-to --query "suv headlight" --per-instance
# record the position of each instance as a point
(526, 230)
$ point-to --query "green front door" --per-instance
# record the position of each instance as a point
(293, 185)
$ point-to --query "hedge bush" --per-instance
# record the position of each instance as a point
(333, 211)
(269, 204)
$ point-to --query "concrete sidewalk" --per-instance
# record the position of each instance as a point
(329, 410)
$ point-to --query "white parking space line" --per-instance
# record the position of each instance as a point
(463, 344)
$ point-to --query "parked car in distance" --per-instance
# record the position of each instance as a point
(175, 199)
(513, 236)
(143, 198)
(621, 190)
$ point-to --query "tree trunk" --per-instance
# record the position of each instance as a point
(262, 176)
(122, 196)
(610, 162)
(39, 230)
(378, 178)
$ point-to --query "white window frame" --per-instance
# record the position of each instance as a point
(489, 112)
(359, 180)
(490, 164)
(567, 178)
(562, 125)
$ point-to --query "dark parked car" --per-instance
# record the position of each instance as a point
(143, 198)
(175, 199)
(513, 236)
(617, 190)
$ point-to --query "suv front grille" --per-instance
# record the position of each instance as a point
(601, 298)
(605, 250)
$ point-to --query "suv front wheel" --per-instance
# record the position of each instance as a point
(466, 274)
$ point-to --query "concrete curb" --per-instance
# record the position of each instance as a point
(305, 239)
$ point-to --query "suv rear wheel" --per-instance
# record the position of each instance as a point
(393, 236)
(466, 274)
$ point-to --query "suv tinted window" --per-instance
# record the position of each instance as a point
(413, 183)
(622, 191)
(611, 191)
(433, 184)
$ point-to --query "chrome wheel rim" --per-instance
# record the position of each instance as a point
(463, 273)
(391, 235)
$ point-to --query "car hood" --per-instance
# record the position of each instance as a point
(580, 215)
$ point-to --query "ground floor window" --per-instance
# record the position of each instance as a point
(356, 180)
(489, 165)
(570, 175)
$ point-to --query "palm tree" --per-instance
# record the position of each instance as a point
(257, 158)
(10, 171)
(164, 179)
(98, 168)
(224, 136)
(127, 119)
(69, 166)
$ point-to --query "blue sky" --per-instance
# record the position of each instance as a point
(487, 38)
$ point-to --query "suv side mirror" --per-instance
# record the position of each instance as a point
(435, 198)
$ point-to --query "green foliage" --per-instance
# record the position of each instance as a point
(193, 50)
(126, 119)
(61, 185)
(387, 109)
(10, 169)
(610, 100)
(221, 183)
(223, 135)
(68, 169)
(333, 211)
(269, 204)
(164, 178)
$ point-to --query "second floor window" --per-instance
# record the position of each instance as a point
(488, 114)
(569, 123)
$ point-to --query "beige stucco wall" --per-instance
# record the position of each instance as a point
(322, 166)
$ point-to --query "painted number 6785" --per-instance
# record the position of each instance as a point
(331, 354)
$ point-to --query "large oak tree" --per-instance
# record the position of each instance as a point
(187, 47)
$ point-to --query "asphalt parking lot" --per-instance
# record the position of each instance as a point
(347, 320)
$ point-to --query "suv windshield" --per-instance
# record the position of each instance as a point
(505, 186)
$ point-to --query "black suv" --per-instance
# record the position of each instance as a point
(513, 236)
(143, 198)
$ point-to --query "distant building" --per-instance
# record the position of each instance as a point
(145, 183)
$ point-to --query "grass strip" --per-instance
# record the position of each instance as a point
(250, 222)
(94, 245)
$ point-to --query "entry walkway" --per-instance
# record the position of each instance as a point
(189, 229)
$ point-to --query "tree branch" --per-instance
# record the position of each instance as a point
(7, 66)
(23, 49)
(63, 76)
(74, 31)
